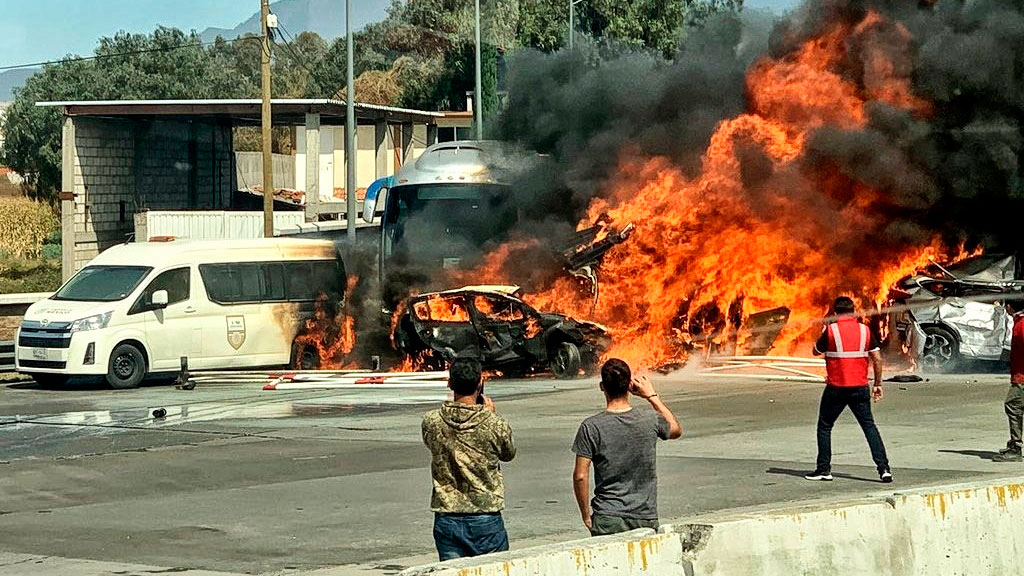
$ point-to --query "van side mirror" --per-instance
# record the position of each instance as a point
(159, 299)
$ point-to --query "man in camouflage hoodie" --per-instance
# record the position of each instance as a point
(467, 440)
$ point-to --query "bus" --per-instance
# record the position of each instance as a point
(440, 212)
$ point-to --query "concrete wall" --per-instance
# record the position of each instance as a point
(637, 552)
(249, 170)
(124, 166)
(332, 157)
(971, 529)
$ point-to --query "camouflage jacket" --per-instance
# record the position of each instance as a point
(466, 443)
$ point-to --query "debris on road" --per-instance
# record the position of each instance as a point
(320, 379)
(785, 368)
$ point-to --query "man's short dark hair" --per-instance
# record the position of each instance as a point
(615, 377)
(464, 376)
(1015, 303)
(843, 305)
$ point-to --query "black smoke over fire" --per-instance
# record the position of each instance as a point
(953, 168)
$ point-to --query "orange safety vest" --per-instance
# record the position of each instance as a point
(846, 358)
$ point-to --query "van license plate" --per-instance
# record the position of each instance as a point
(39, 353)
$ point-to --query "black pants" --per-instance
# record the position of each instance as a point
(833, 401)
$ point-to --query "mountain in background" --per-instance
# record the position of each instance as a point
(325, 17)
(11, 79)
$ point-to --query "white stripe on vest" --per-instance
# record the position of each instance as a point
(840, 351)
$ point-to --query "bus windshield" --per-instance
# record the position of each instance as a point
(445, 225)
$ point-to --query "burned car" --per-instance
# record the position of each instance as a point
(492, 324)
(957, 313)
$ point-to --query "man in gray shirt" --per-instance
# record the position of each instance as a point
(621, 444)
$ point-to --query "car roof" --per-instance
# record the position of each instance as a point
(500, 289)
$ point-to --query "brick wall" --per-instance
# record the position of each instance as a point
(126, 166)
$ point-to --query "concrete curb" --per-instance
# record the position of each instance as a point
(638, 552)
(971, 528)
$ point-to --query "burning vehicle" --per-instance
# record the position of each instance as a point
(493, 324)
(957, 313)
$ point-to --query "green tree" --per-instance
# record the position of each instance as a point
(164, 64)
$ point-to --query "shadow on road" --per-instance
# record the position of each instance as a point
(983, 454)
(800, 474)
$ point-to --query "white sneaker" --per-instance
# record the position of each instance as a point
(819, 475)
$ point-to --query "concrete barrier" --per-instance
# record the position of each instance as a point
(971, 529)
(637, 552)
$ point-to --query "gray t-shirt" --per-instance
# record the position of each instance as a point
(622, 448)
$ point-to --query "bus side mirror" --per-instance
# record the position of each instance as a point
(370, 205)
(159, 299)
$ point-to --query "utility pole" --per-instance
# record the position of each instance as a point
(268, 162)
(572, 20)
(478, 97)
(351, 153)
(572, 24)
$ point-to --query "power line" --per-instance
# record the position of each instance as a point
(120, 54)
(289, 39)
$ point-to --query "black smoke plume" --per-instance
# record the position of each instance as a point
(955, 170)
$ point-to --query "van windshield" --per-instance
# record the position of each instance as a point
(102, 283)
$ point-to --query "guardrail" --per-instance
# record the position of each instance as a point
(7, 356)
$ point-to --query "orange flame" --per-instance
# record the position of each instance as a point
(333, 338)
(712, 249)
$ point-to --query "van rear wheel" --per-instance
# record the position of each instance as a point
(127, 367)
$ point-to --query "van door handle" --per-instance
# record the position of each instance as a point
(190, 310)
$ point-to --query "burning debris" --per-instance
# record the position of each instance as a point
(583, 258)
(492, 324)
(840, 160)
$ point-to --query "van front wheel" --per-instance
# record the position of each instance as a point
(127, 367)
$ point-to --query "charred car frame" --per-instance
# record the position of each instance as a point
(492, 324)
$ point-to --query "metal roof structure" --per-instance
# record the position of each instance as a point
(244, 111)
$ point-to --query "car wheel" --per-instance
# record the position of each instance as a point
(941, 350)
(304, 357)
(565, 360)
(127, 367)
(50, 380)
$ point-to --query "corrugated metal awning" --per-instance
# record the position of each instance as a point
(285, 111)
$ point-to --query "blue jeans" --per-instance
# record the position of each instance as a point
(464, 535)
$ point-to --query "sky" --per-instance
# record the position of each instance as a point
(38, 30)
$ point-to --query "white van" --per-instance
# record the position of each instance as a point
(137, 308)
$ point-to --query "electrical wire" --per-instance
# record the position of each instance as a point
(122, 54)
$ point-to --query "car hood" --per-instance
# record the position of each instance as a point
(65, 310)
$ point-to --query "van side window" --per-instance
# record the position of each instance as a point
(249, 282)
(299, 277)
(272, 287)
(231, 283)
(177, 284)
(327, 279)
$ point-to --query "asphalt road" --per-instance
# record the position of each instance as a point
(241, 480)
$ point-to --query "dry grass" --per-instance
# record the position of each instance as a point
(24, 225)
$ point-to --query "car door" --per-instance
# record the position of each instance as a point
(232, 323)
(500, 324)
(450, 327)
(172, 331)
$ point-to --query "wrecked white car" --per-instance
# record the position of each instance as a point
(957, 313)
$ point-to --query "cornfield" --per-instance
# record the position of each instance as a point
(24, 226)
